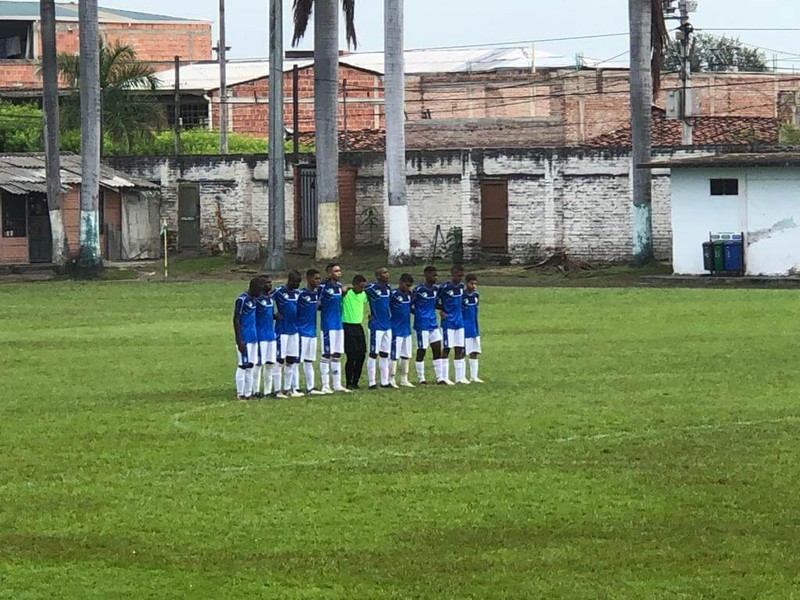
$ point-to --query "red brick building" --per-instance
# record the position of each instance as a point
(156, 38)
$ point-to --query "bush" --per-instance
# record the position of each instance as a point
(20, 128)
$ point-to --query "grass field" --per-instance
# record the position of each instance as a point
(630, 443)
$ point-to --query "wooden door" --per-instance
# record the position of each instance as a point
(494, 216)
(40, 240)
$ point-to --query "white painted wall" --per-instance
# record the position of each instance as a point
(767, 210)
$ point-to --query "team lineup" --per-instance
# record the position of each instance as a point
(277, 331)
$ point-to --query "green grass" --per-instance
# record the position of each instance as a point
(630, 443)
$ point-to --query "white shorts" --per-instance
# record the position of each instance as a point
(308, 349)
(249, 357)
(473, 345)
(401, 347)
(333, 342)
(267, 352)
(428, 337)
(380, 341)
(290, 345)
(453, 338)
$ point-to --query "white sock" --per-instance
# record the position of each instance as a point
(266, 374)
(473, 368)
(324, 370)
(289, 377)
(461, 369)
(256, 387)
(248, 383)
(420, 371)
(384, 370)
(308, 369)
(404, 370)
(336, 373)
(445, 367)
(371, 368)
(392, 369)
(437, 369)
(277, 375)
(239, 378)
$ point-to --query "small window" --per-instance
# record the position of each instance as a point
(14, 217)
(724, 187)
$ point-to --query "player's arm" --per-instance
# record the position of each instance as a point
(237, 324)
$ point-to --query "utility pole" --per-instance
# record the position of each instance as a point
(687, 95)
(223, 86)
(177, 113)
(276, 260)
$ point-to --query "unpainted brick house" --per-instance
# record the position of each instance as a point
(128, 211)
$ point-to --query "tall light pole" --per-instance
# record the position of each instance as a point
(687, 95)
(276, 259)
(223, 86)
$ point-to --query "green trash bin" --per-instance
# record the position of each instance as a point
(719, 256)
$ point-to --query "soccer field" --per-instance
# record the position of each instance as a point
(628, 443)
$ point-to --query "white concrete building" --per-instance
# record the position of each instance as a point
(756, 194)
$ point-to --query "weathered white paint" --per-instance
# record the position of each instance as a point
(767, 209)
(60, 251)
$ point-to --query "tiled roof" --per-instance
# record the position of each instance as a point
(706, 131)
(68, 11)
(361, 140)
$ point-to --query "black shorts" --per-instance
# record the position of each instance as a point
(355, 342)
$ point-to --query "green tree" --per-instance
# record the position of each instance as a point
(20, 128)
(714, 53)
(130, 110)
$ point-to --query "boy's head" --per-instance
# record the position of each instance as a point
(334, 271)
(293, 280)
(406, 281)
(359, 283)
(255, 286)
(457, 273)
(382, 275)
(266, 283)
(472, 282)
(431, 274)
(313, 279)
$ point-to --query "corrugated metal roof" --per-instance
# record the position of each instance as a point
(25, 174)
(68, 11)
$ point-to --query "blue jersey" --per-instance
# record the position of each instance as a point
(246, 309)
(265, 318)
(423, 305)
(330, 306)
(286, 304)
(307, 313)
(450, 297)
(470, 314)
(400, 308)
(378, 296)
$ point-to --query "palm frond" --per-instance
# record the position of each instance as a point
(302, 10)
(659, 40)
(349, 8)
(69, 68)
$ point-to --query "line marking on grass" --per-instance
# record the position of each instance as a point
(177, 421)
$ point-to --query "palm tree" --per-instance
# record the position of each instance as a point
(399, 237)
(89, 260)
(647, 40)
(326, 110)
(60, 253)
(130, 111)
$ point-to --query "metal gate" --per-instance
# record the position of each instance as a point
(307, 193)
(40, 240)
(188, 217)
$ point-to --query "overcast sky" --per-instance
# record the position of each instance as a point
(431, 23)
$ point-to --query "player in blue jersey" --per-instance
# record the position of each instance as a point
(451, 296)
(472, 333)
(426, 326)
(267, 345)
(307, 308)
(400, 309)
(380, 327)
(246, 336)
(330, 306)
(285, 298)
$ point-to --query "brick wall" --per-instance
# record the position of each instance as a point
(249, 102)
(522, 132)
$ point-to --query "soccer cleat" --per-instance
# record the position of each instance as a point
(373, 387)
(423, 382)
(476, 380)
(444, 382)
(344, 390)
(315, 393)
(407, 383)
(392, 384)
(242, 398)
(326, 390)
(463, 381)
(279, 395)
(296, 394)
(387, 387)
(258, 396)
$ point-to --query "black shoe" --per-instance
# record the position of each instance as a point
(387, 387)
(373, 387)
(353, 386)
